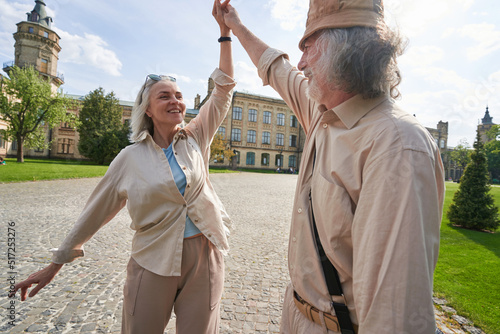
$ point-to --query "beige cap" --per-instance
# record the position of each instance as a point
(325, 14)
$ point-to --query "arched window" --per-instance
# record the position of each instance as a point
(251, 135)
(280, 139)
(281, 119)
(264, 161)
(266, 137)
(250, 158)
(237, 112)
(252, 115)
(236, 135)
(267, 117)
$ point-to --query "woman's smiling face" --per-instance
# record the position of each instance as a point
(166, 104)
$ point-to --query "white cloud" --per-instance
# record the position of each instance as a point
(414, 17)
(443, 77)
(487, 37)
(90, 50)
(422, 55)
(290, 13)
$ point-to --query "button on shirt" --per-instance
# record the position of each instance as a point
(377, 185)
(141, 178)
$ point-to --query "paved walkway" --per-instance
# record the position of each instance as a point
(86, 296)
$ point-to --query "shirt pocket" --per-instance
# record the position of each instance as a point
(333, 211)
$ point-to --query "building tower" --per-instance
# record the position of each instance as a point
(37, 45)
(485, 126)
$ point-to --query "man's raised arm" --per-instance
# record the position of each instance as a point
(254, 46)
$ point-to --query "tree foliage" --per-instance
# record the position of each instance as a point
(220, 149)
(461, 153)
(102, 134)
(30, 107)
(492, 149)
(473, 206)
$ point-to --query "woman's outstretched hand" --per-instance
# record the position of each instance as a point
(40, 278)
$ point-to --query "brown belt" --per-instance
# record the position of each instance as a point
(313, 314)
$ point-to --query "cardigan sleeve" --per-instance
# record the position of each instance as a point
(103, 204)
(204, 126)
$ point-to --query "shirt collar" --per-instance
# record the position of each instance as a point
(352, 110)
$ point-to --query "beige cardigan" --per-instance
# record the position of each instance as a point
(140, 177)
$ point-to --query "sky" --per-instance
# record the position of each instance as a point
(451, 67)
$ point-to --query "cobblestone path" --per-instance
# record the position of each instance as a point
(86, 295)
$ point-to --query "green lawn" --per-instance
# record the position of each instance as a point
(467, 273)
(37, 169)
(468, 270)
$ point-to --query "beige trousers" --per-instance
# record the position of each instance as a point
(194, 296)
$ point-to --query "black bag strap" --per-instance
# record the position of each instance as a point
(332, 282)
(331, 277)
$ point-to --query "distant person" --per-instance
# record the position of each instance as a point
(2, 161)
(371, 185)
(180, 223)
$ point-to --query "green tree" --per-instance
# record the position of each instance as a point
(220, 149)
(102, 134)
(492, 149)
(461, 154)
(30, 107)
(473, 206)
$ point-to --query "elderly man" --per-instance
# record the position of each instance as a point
(369, 197)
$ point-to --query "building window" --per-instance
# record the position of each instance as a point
(251, 136)
(30, 30)
(44, 66)
(237, 112)
(266, 137)
(441, 144)
(39, 150)
(2, 142)
(293, 121)
(293, 141)
(267, 117)
(281, 119)
(252, 115)
(222, 132)
(65, 146)
(264, 161)
(292, 161)
(14, 145)
(45, 34)
(279, 160)
(236, 135)
(280, 139)
(250, 158)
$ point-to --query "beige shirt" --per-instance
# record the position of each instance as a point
(140, 177)
(377, 190)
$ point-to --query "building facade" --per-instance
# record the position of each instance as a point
(485, 126)
(262, 132)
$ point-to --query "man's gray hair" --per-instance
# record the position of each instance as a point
(361, 60)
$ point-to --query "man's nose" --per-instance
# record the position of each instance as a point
(302, 63)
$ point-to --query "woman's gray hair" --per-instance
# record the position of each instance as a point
(361, 60)
(140, 121)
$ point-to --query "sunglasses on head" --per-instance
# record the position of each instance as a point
(155, 77)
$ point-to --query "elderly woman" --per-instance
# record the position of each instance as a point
(180, 224)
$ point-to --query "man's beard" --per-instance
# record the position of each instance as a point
(313, 91)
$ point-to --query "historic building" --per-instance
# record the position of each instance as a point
(37, 45)
(485, 126)
(261, 131)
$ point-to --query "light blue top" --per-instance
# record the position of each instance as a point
(180, 181)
